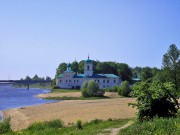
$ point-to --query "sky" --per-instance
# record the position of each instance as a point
(37, 35)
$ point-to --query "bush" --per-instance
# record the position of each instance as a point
(78, 87)
(47, 124)
(95, 121)
(158, 126)
(56, 87)
(124, 89)
(91, 89)
(54, 123)
(155, 99)
(5, 126)
(79, 124)
(84, 90)
(114, 88)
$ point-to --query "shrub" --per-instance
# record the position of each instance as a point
(155, 99)
(91, 89)
(124, 89)
(114, 88)
(79, 124)
(95, 121)
(158, 126)
(54, 123)
(84, 90)
(108, 89)
(5, 126)
(47, 124)
(56, 87)
(78, 87)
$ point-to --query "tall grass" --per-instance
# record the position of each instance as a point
(44, 125)
(157, 126)
(5, 126)
(56, 127)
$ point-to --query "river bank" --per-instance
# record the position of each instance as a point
(70, 111)
(19, 97)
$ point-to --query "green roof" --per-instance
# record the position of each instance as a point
(60, 76)
(88, 61)
(95, 76)
(68, 71)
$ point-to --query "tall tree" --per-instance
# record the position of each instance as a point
(36, 77)
(146, 73)
(124, 71)
(171, 65)
(62, 67)
(75, 66)
(81, 66)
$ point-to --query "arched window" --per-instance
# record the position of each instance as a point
(87, 67)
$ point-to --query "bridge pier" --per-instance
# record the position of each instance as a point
(28, 86)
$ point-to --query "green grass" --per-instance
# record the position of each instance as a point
(5, 126)
(64, 90)
(158, 126)
(76, 98)
(92, 128)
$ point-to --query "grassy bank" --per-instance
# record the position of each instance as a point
(158, 126)
(55, 127)
(64, 90)
(76, 98)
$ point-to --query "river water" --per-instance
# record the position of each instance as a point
(20, 97)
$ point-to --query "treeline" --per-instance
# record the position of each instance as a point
(170, 71)
(37, 78)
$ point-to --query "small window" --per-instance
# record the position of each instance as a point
(59, 80)
(69, 80)
(74, 80)
(103, 81)
(107, 81)
(77, 80)
(114, 81)
(88, 67)
(98, 81)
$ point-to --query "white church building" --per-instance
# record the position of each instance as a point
(69, 79)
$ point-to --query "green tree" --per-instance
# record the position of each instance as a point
(91, 89)
(124, 89)
(171, 65)
(81, 66)
(155, 99)
(27, 78)
(84, 90)
(75, 66)
(62, 67)
(124, 71)
(36, 77)
(146, 73)
(48, 78)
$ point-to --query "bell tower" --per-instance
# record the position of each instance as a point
(88, 67)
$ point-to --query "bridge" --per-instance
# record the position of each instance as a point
(26, 82)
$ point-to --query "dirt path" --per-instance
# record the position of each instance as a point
(115, 131)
